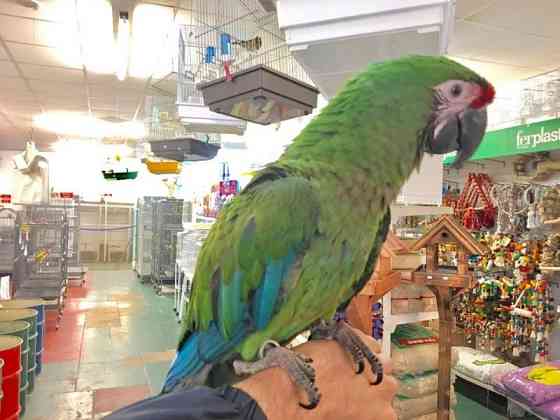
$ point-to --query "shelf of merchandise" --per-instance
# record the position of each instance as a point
(392, 321)
(550, 268)
(515, 409)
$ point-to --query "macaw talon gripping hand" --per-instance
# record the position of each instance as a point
(340, 332)
(296, 365)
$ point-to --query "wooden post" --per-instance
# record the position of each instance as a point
(431, 258)
(443, 296)
(462, 261)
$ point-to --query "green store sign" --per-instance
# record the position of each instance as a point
(537, 137)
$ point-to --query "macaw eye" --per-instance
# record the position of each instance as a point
(456, 90)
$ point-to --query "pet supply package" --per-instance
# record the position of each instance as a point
(480, 365)
(414, 350)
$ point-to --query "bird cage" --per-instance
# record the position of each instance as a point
(239, 41)
(163, 122)
(190, 104)
(8, 235)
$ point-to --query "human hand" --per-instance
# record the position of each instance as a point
(345, 395)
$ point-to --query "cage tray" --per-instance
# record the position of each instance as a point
(119, 176)
(184, 149)
(260, 95)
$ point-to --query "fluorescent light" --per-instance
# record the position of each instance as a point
(123, 37)
(79, 125)
(154, 42)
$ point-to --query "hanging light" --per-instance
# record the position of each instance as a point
(123, 38)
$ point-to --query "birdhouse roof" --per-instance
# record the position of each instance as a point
(457, 230)
(392, 246)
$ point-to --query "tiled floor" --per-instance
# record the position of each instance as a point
(114, 346)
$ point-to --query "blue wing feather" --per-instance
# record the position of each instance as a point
(266, 296)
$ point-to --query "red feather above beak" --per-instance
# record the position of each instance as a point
(487, 93)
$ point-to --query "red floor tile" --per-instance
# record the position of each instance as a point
(111, 399)
(60, 356)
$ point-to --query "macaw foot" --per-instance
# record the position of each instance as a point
(295, 364)
(341, 332)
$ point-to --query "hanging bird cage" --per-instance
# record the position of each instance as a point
(235, 53)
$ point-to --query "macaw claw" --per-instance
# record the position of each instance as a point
(352, 343)
(296, 365)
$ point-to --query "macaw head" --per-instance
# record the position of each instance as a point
(458, 116)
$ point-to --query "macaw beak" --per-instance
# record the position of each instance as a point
(463, 134)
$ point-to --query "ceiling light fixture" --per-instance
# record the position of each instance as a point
(123, 45)
(79, 125)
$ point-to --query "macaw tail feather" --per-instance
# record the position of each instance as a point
(198, 354)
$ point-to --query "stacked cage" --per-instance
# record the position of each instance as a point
(43, 244)
(189, 243)
(167, 222)
(144, 236)
(71, 204)
(8, 235)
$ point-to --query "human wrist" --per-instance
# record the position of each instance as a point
(274, 393)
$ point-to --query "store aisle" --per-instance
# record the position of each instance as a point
(114, 346)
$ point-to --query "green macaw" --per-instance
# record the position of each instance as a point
(303, 237)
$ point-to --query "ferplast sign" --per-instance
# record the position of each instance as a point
(536, 137)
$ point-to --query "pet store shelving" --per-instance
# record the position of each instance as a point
(167, 221)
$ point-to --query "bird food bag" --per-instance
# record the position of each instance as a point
(534, 393)
(410, 408)
(480, 365)
(414, 350)
(433, 416)
(411, 386)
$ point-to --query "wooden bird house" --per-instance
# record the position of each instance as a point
(394, 263)
(448, 246)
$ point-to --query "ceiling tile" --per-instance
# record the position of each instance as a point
(17, 29)
(470, 40)
(465, 8)
(34, 54)
(13, 84)
(7, 69)
(42, 87)
(55, 74)
(56, 10)
(529, 17)
(3, 55)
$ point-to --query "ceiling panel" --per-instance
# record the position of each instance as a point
(35, 54)
(56, 10)
(521, 16)
(17, 29)
(497, 72)
(471, 40)
(42, 87)
(14, 84)
(465, 8)
(54, 74)
(7, 69)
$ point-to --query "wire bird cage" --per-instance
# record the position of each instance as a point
(239, 39)
(144, 235)
(42, 249)
(8, 237)
(71, 205)
(167, 221)
(189, 244)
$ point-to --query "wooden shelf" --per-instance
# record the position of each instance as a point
(554, 223)
(550, 268)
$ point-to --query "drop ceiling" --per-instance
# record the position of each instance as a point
(504, 40)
